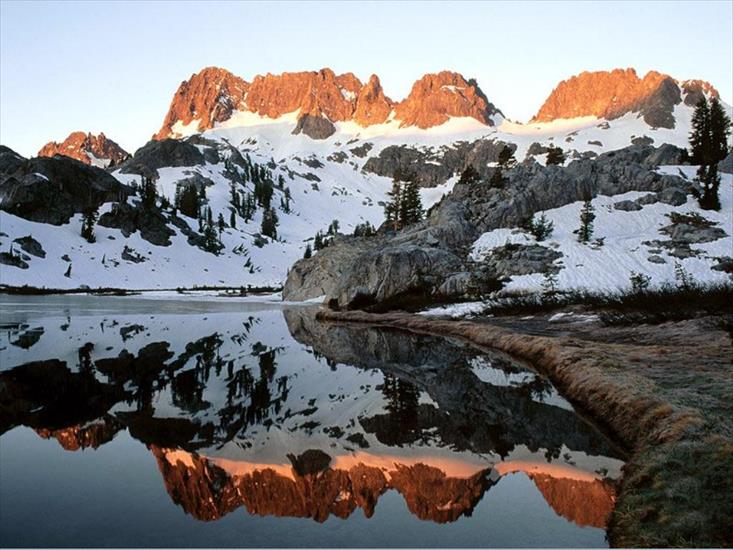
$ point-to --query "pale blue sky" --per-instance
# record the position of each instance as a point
(114, 67)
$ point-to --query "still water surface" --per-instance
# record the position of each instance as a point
(137, 422)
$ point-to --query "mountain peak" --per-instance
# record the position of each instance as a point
(88, 148)
(612, 94)
(321, 98)
(209, 96)
(436, 97)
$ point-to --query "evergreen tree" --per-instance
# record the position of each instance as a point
(211, 239)
(506, 158)
(233, 219)
(318, 241)
(149, 193)
(89, 218)
(710, 182)
(540, 229)
(392, 206)
(187, 200)
(220, 222)
(719, 131)
(308, 251)
(587, 215)
(365, 229)
(411, 210)
(700, 146)
(333, 228)
(469, 176)
(497, 178)
(269, 223)
(555, 155)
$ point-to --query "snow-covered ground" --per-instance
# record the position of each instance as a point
(608, 267)
(343, 192)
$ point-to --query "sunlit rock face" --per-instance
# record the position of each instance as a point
(612, 94)
(88, 148)
(320, 99)
(437, 97)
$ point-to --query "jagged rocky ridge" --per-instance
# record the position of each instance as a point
(88, 148)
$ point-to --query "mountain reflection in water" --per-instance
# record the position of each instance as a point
(273, 412)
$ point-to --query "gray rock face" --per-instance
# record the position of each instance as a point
(522, 259)
(642, 140)
(315, 127)
(395, 276)
(53, 189)
(6, 258)
(128, 219)
(317, 276)
(432, 167)
(163, 153)
(726, 165)
(31, 246)
(666, 154)
(627, 206)
(429, 261)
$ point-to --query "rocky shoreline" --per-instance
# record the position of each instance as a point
(675, 420)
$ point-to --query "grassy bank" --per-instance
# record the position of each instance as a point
(665, 393)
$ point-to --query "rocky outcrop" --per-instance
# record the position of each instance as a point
(161, 154)
(52, 190)
(432, 167)
(612, 94)
(316, 276)
(208, 97)
(372, 106)
(88, 148)
(429, 261)
(437, 97)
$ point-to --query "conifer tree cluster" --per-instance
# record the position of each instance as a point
(404, 206)
(587, 215)
(711, 127)
(148, 193)
(555, 155)
(365, 229)
(504, 162)
(89, 218)
(269, 223)
(187, 200)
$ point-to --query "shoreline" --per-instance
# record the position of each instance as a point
(676, 451)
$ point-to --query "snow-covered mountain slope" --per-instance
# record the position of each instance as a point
(345, 176)
(625, 242)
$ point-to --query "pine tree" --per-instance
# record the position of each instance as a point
(318, 241)
(700, 145)
(308, 251)
(469, 176)
(220, 222)
(719, 131)
(392, 206)
(187, 200)
(269, 223)
(710, 182)
(587, 215)
(89, 218)
(233, 219)
(555, 155)
(497, 178)
(506, 158)
(411, 210)
(149, 193)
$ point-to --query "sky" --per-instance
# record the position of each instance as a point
(114, 66)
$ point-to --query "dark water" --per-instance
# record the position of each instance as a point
(134, 422)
